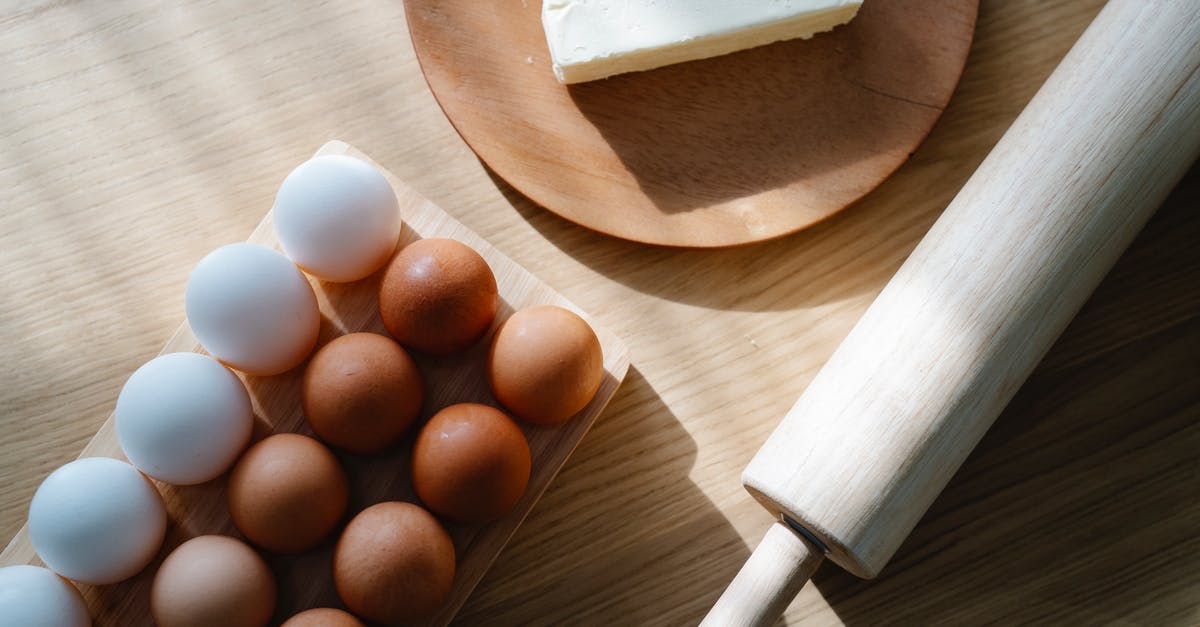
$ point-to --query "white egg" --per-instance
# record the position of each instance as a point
(183, 418)
(31, 596)
(337, 217)
(96, 520)
(252, 309)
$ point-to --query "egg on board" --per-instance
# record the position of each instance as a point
(183, 418)
(438, 296)
(337, 217)
(323, 617)
(96, 520)
(287, 493)
(394, 564)
(32, 596)
(545, 364)
(361, 392)
(212, 581)
(252, 309)
(470, 463)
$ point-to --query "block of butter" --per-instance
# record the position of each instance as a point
(591, 39)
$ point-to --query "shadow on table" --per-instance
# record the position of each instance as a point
(659, 554)
(1079, 506)
(805, 269)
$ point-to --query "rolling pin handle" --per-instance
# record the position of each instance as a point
(776, 571)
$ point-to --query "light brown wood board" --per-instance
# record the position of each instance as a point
(135, 138)
(716, 152)
(305, 581)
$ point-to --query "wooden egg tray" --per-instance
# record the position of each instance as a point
(305, 580)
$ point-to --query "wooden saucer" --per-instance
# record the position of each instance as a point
(723, 151)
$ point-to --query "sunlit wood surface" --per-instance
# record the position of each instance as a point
(136, 136)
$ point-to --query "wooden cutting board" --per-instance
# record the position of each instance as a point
(716, 152)
(305, 580)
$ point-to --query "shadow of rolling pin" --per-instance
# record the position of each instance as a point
(931, 364)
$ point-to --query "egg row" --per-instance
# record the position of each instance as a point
(393, 563)
(32, 596)
(336, 217)
(183, 418)
(253, 309)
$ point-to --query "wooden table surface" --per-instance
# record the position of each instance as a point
(136, 136)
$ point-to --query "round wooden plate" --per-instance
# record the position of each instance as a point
(717, 152)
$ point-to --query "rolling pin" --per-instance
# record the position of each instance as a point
(898, 407)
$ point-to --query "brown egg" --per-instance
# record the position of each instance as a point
(438, 296)
(470, 463)
(287, 493)
(394, 563)
(323, 617)
(212, 580)
(545, 364)
(361, 392)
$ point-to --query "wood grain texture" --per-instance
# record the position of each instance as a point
(728, 150)
(775, 572)
(136, 137)
(963, 322)
(305, 581)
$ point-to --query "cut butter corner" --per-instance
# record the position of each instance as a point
(593, 39)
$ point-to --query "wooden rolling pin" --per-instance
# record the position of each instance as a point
(912, 389)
